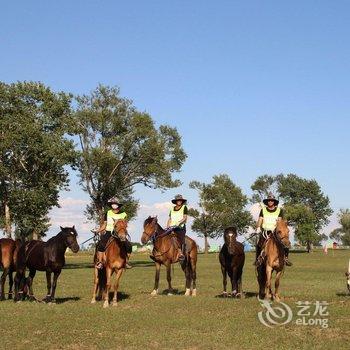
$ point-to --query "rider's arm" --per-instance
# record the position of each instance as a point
(168, 222)
(102, 228)
(260, 221)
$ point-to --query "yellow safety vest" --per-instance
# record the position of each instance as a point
(111, 217)
(176, 216)
(270, 219)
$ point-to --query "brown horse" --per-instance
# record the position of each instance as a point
(166, 251)
(115, 260)
(273, 260)
(8, 258)
(44, 256)
(232, 258)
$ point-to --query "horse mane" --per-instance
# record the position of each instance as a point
(150, 219)
(61, 233)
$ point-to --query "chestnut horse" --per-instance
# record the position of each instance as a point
(115, 260)
(273, 260)
(231, 259)
(44, 256)
(166, 251)
(8, 257)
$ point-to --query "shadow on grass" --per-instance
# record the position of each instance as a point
(88, 265)
(245, 295)
(343, 294)
(142, 263)
(67, 299)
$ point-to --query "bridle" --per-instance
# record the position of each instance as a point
(115, 233)
(153, 234)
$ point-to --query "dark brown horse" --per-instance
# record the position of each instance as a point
(273, 260)
(115, 260)
(44, 256)
(232, 258)
(8, 257)
(166, 251)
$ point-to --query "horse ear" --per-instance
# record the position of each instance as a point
(73, 227)
(61, 227)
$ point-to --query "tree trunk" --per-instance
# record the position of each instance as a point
(206, 244)
(7, 227)
(308, 246)
(36, 235)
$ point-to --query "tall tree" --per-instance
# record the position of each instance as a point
(120, 147)
(33, 153)
(222, 204)
(307, 208)
(342, 233)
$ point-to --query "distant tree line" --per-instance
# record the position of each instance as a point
(114, 147)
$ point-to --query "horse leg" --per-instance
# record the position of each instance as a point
(116, 286)
(224, 281)
(187, 270)
(96, 282)
(277, 285)
(2, 283)
(108, 286)
(56, 274)
(10, 284)
(268, 291)
(193, 263)
(168, 277)
(48, 285)
(156, 280)
(234, 282)
(31, 276)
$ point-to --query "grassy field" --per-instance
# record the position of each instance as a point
(207, 321)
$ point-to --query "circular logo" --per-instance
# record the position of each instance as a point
(274, 315)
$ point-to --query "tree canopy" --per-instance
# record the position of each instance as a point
(34, 152)
(307, 208)
(120, 147)
(221, 204)
(342, 233)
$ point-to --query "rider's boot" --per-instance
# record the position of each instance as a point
(127, 265)
(100, 260)
(286, 260)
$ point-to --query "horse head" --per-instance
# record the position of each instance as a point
(282, 231)
(70, 237)
(149, 229)
(120, 229)
(230, 235)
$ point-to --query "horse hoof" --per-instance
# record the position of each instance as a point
(32, 299)
(194, 292)
(2, 298)
(115, 303)
(10, 296)
(277, 298)
(105, 304)
(93, 301)
(188, 292)
(170, 293)
(154, 292)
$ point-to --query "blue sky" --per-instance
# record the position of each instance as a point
(253, 87)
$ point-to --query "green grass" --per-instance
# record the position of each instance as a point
(178, 322)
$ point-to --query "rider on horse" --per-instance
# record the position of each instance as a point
(106, 229)
(268, 218)
(177, 222)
